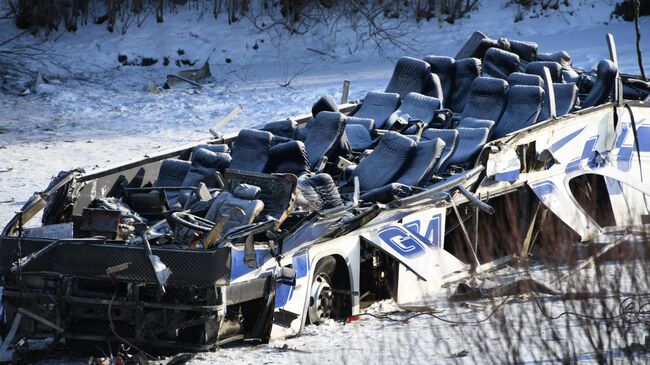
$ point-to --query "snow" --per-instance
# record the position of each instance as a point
(94, 112)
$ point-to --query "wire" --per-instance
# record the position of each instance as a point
(630, 310)
(112, 327)
(415, 314)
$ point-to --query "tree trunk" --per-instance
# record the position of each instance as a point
(159, 11)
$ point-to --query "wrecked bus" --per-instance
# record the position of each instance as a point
(258, 234)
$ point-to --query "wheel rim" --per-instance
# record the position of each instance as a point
(320, 302)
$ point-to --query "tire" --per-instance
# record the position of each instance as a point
(321, 303)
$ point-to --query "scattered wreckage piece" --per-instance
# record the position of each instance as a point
(257, 234)
(191, 77)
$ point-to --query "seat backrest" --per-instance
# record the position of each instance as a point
(420, 169)
(317, 192)
(378, 106)
(561, 57)
(537, 68)
(486, 99)
(522, 109)
(527, 51)
(470, 143)
(358, 137)
(470, 122)
(566, 96)
(203, 167)
(499, 63)
(434, 88)
(410, 75)
(367, 123)
(386, 162)
(250, 151)
(445, 68)
(326, 138)
(419, 107)
(172, 172)
(605, 82)
(227, 204)
(450, 138)
(520, 78)
(283, 128)
(288, 157)
(467, 70)
(324, 104)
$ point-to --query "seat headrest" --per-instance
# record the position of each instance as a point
(329, 121)
(500, 63)
(520, 78)
(378, 98)
(324, 104)
(469, 122)
(395, 142)
(560, 57)
(447, 135)
(537, 68)
(527, 51)
(209, 159)
(254, 136)
(487, 43)
(283, 128)
(488, 86)
(368, 123)
(441, 64)
(214, 147)
(468, 68)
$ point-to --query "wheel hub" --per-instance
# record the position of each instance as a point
(320, 302)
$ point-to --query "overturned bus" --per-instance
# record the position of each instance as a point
(256, 235)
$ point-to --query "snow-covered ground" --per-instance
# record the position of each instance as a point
(95, 112)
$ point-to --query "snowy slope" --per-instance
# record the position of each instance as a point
(96, 112)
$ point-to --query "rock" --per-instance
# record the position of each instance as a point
(461, 354)
(148, 61)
